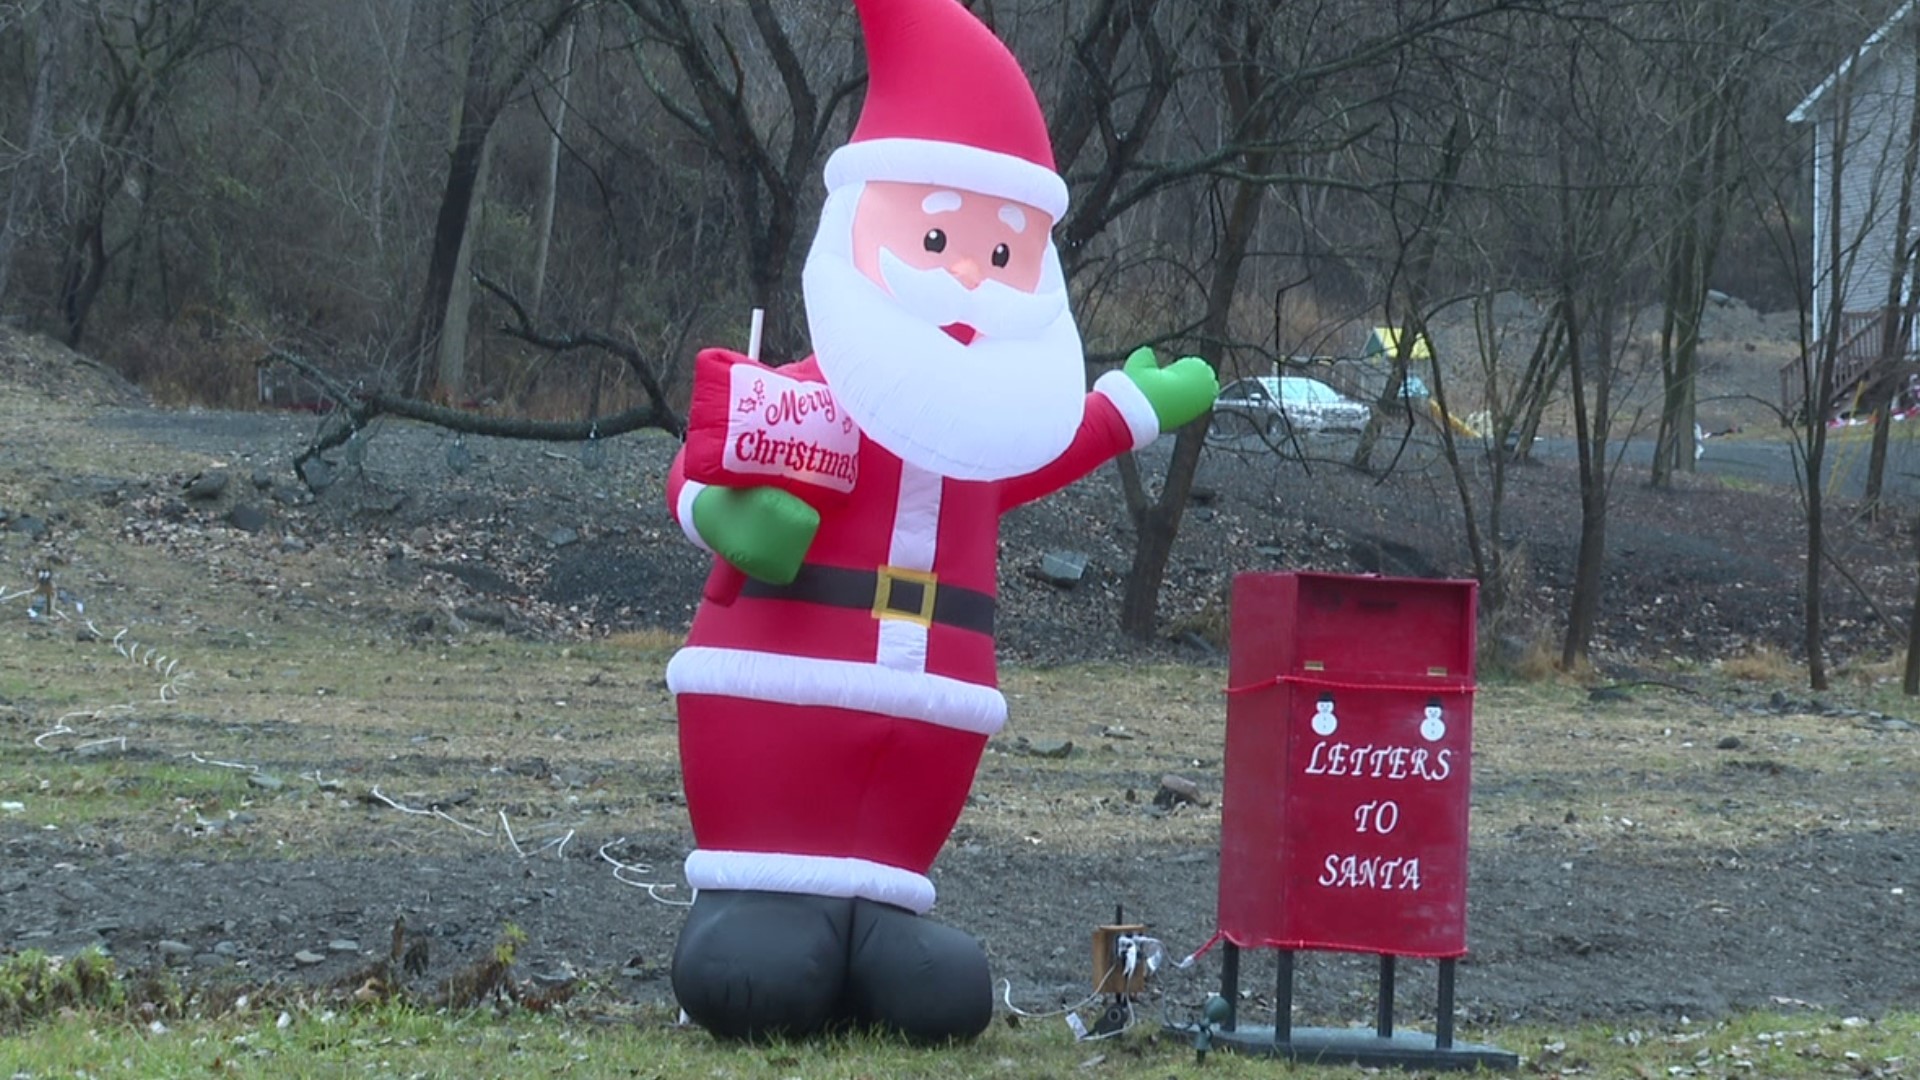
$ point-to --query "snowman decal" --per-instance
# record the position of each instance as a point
(1324, 722)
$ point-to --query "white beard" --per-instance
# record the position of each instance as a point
(1002, 406)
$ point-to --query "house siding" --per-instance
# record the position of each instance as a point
(1882, 95)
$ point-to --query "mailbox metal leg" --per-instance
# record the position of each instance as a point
(1283, 1000)
(1383, 1016)
(1324, 1045)
(1230, 984)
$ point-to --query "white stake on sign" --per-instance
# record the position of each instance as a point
(753, 340)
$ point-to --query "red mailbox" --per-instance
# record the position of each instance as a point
(1349, 731)
(1344, 817)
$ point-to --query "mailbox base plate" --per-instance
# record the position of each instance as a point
(1360, 1046)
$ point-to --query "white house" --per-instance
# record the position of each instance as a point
(1860, 117)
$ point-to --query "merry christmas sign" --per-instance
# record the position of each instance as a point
(749, 424)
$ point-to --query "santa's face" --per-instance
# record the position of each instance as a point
(940, 318)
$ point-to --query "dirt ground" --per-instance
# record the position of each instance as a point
(1666, 853)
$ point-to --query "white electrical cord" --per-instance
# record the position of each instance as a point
(1006, 998)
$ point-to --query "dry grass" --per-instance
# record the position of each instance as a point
(565, 734)
(1761, 663)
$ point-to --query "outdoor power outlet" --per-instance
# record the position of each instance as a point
(1110, 974)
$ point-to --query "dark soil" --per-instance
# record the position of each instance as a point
(1558, 929)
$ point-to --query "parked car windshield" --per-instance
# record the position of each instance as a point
(1299, 390)
(1292, 389)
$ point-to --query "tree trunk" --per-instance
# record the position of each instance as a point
(550, 179)
(443, 265)
(26, 175)
(450, 362)
(86, 269)
(1706, 190)
(1679, 359)
(389, 105)
(1820, 404)
(1158, 524)
(473, 117)
(1156, 528)
(1583, 607)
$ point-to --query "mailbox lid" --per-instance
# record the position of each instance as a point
(1364, 626)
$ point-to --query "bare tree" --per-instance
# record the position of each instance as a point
(137, 50)
(1596, 208)
(769, 134)
(1707, 79)
(1289, 88)
(550, 178)
(501, 42)
(390, 89)
(27, 170)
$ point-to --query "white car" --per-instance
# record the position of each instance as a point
(1271, 404)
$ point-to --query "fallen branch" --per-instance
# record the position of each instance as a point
(523, 328)
(360, 408)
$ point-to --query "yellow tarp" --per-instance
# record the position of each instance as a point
(1385, 341)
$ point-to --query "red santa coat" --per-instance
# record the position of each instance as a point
(829, 731)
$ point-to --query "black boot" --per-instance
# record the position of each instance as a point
(913, 976)
(758, 965)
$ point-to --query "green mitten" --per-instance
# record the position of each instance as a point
(1178, 392)
(764, 532)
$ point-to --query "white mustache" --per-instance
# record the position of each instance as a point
(992, 308)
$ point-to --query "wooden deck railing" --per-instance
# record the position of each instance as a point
(1861, 340)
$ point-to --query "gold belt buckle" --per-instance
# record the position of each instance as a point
(883, 594)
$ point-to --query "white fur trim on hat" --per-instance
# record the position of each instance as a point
(968, 168)
(815, 875)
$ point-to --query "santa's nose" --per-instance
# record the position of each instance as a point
(967, 272)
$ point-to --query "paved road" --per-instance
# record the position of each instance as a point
(1770, 458)
(1773, 460)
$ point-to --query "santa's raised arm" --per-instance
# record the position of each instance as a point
(838, 684)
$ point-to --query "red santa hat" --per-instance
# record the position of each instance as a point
(946, 104)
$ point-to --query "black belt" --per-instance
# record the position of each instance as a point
(890, 593)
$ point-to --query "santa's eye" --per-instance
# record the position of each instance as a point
(1001, 255)
(935, 241)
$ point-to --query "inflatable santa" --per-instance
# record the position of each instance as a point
(837, 688)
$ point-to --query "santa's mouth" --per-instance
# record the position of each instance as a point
(961, 332)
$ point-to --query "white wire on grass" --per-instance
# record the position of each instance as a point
(558, 842)
(1006, 997)
(508, 829)
(221, 764)
(92, 714)
(654, 888)
(57, 730)
(434, 812)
